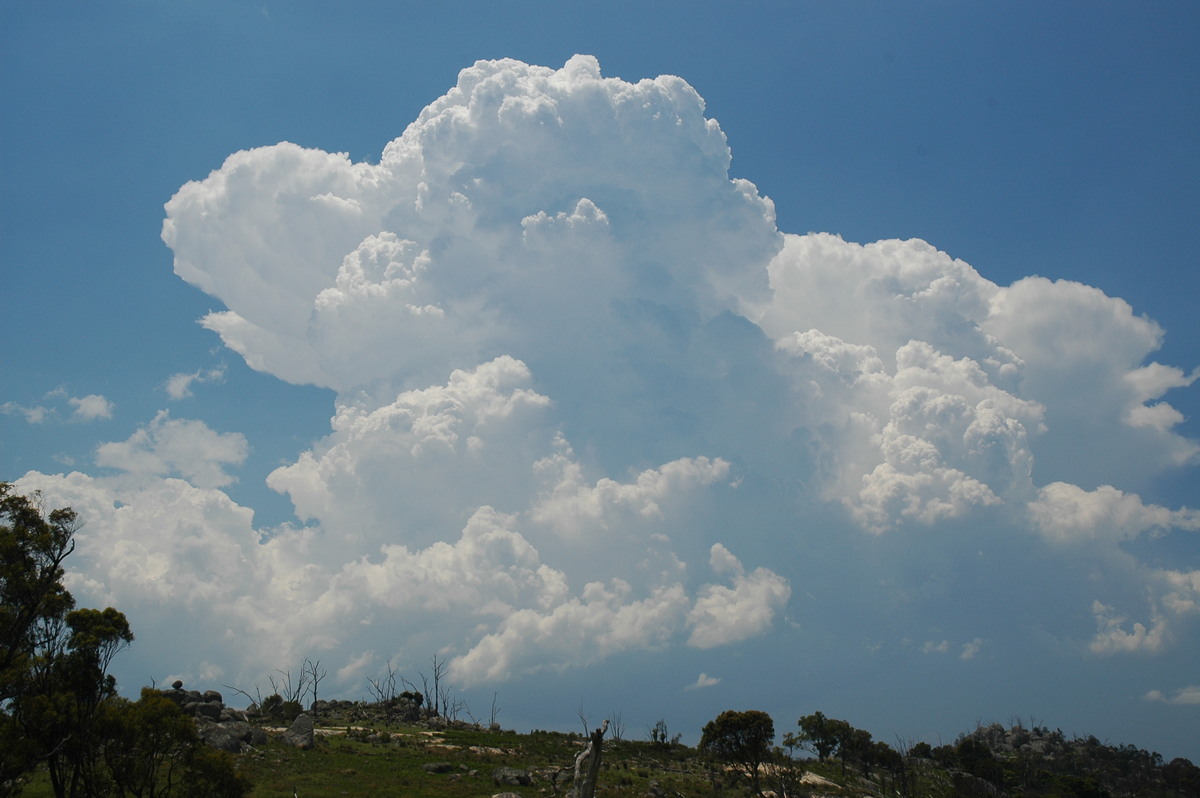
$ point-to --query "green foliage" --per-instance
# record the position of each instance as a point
(743, 739)
(151, 740)
(53, 658)
(32, 548)
(819, 734)
(921, 751)
(58, 704)
(272, 706)
(976, 758)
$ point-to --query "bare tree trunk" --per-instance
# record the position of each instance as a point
(585, 783)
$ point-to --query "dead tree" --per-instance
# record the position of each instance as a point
(585, 783)
(315, 674)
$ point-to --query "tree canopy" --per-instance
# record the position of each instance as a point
(743, 739)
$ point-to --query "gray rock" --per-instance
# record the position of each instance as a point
(217, 736)
(512, 777)
(211, 711)
(240, 729)
(506, 795)
(300, 734)
(437, 767)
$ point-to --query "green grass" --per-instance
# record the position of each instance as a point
(390, 761)
(393, 763)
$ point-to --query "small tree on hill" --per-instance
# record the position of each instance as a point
(821, 735)
(743, 739)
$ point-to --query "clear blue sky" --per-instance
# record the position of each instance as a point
(721, 476)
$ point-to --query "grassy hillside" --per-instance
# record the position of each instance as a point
(461, 762)
(436, 760)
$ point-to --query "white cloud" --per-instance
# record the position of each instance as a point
(574, 362)
(603, 621)
(724, 615)
(181, 447)
(91, 407)
(480, 199)
(1083, 355)
(179, 386)
(702, 681)
(1069, 514)
(33, 414)
(1112, 638)
(966, 651)
(417, 463)
(1182, 696)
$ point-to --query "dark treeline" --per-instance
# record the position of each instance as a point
(990, 761)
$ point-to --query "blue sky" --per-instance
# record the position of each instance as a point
(544, 393)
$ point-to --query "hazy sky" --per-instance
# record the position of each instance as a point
(657, 359)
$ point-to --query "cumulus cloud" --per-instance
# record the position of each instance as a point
(1067, 513)
(1114, 637)
(182, 447)
(90, 407)
(591, 401)
(522, 184)
(726, 614)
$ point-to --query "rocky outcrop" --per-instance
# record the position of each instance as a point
(218, 725)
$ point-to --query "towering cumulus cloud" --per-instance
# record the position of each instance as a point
(590, 401)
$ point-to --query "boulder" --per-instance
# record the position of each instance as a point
(437, 767)
(207, 710)
(240, 729)
(218, 736)
(300, 734)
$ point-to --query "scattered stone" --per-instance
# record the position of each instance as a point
(437, 767)
(513, 777)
